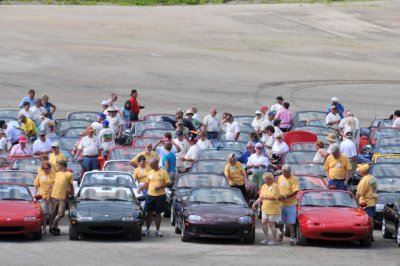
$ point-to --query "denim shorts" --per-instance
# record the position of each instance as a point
(288, 215)
(339, 184)
(371, 211)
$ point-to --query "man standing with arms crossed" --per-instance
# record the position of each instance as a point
(337, 167)
(156, 182)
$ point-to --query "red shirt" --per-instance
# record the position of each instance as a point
(134, 105)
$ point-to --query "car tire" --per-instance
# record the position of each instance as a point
(167, 213)
(385, 233)
(184, 237)
(286, 230)
(398, 235)
(366, 242)
(137, 234)
(177, 229)
(300, 239)
(173, 216)
(250, 240)
(73, 233)
(37, 235)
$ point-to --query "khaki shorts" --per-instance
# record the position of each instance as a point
(57, 207)
(45, 206)
(276, 218)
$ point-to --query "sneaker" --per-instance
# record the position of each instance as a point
(272, 243)
(146, 232)
(280, 237)
(159, 234)
(292, 242)
(264, 242)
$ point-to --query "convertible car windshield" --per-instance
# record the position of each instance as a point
(108, 178)
(216, 196)
(24, 177)
(328, 199)
(201, 180)
(14, 192)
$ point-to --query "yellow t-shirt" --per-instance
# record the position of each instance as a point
(149, 157)
(140, 174)
(336, 168)
(367, 189)
(288, 186)
(270, 206)
(44, 183)
(54, 158)
(157, 178)
(62, 181)
(235, 174)
(29, 125)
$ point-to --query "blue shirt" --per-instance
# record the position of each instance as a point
(47, 107)
(12, 133)
(27, 99)
(169, 157)
(244, 157)
(339, 107)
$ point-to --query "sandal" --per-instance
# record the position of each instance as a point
(280, 237)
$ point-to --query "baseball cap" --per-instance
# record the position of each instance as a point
(331, 137)
(279, 98)
(264, 107)
(102, 115)
(270, 113)
(111, 109)
(22, 139)
(363, 168)
(259, 145)
(106, 122)
(42, 132)
(335, 99)
(90, 129)
(55, 144)
(179, 110)
(258, 112)
(189, 111)
(333, 107)
(179, 133)
(62, 163)
(180, 121)
(105, 102)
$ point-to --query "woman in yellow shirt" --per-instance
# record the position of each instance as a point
(271, 208)
(140, 173)
(235, 174)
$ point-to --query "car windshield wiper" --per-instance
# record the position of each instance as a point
(199, 202)
(116, 200)
(313, 205)
(340, 205)
(185, 187)
(90, 199)
(227, 202)
(14, 199)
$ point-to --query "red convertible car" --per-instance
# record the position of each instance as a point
(20, 214)
(331, 215)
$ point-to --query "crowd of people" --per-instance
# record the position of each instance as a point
(157, 166)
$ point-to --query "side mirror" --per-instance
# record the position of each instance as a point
(38, 197)
(363, 204)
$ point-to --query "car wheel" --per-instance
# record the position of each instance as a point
(250, 240)
(73, 233)
(366, 242)
(286, 230)
(173, 216)
(37, 235)
(177, 229)
(385, 233)
(300, 239)
(398, 235)
(184, 237)
(137, 234)
(167, 213)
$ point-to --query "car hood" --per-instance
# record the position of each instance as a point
(101, 208)
(17, 208)
(333, 214)
(217, 212)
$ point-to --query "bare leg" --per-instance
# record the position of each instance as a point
(272, 225)
(264, 224)
(291, 228)
(158, 221)
(149, 217)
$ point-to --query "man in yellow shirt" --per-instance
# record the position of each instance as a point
(28, 126)
(235, 174)
(56, 155)
(288, 188)
(148, 153)
(58, 195)
(156, 182)
(367, 191)
(337, 167)
(140, 173)
(271, 208)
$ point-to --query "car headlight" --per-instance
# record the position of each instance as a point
(128, 219)
(195, 218)
(379, 207)
(30, 218)
(245, 220)
(85, 218)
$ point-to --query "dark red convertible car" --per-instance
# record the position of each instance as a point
(331, 215)
(20, 214)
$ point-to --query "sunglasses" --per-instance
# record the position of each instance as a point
(259, 148)
(46, 168)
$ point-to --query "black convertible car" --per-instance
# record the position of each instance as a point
(105, 209)
(391, 221)
(216, 212)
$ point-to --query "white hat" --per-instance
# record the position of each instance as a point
(111, 109)
(189, 111)
(258, 112)
(55, 144)
(105, 102)
(335, 99)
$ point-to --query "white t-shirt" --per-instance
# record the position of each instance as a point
(115, 122)
(318, 158)
(40, 146)
(280, 148)
(266, 123)
(231, 130)
(89, 146)
(212, 123)
(277, 131)
(97, 127)
(256, 124)
(193, 153)
(36, 113)
(184, 145)
(332, 117)
(3, 145)
(197, 117)
(107, 138)
(268, 140)
(25, 113)
(48, 126)
(276, 107)
(396, 122)
(255, 159)
(206, 144)
(348, 148)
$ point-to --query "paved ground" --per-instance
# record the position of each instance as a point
(233, 56)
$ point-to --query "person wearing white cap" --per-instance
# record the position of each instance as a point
(349, 124)
(257, 163)
(339, 106)
(189, 115)
(56, 155)
(116, 123)
(211, 124)
(348, 148)
(279, 147)
(104, 106)
(257, 121)
(42, 145)
(332, 120)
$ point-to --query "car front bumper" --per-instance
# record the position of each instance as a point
(106, 227)
(336, 233)
(219, 230)
(20, 227)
